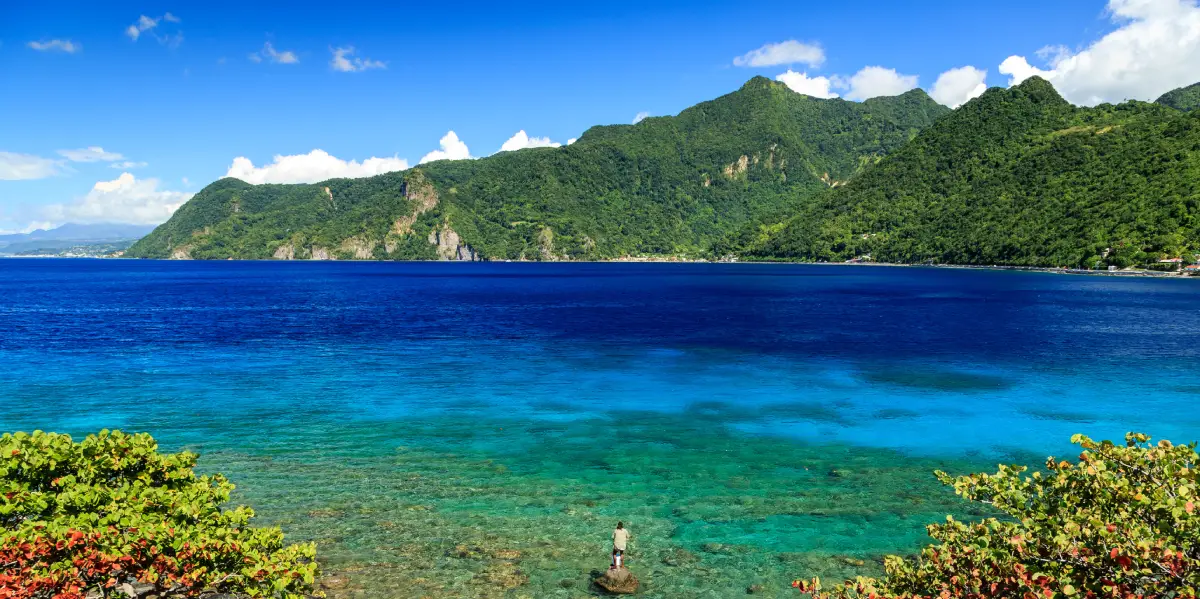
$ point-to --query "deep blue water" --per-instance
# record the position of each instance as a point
(924, 360)
(343, 362)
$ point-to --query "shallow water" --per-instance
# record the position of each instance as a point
(476, 429)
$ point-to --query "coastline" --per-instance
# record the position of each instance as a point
(680, 260)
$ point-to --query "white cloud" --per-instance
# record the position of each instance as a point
(801, 83)
(314, 166)
(1155, 49)
(789, 52)
(128, 164)
(1018, 69)
(641, 116)
(344, 61)
(40, 225)
(452, 148)
(148, 24)
(954, 87)
(520, 140)
(271, 54)
(90, 154)
(571, 141)
(871, 82)
(186, 183)
(67, 46)
(14, 167)
(122, 200)
(143, 24)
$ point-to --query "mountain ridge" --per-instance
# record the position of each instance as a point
(1017, 176)
(666, 185)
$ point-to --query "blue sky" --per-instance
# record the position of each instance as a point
(186, 98)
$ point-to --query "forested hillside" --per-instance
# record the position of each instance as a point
(665, 186)
(1184, 98)
(1017, 176)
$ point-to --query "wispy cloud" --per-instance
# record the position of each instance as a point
(16, 167)
(128, 164)
(789, 52)
(57, 45)
(146, 24)
(641, 116)
(270, 54)
(344, 60)
(90, 154)
(143, 24)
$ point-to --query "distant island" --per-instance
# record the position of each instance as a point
(73, 241)
(1016, 177)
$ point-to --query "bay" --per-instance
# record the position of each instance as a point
(450, 430)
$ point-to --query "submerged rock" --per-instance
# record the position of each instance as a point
(502, 576)
(618, 581)
(679, 557)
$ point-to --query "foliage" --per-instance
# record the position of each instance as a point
(667, 185)
(1121, 522)
(1184, 98)
(98, 516)
(1017, 176)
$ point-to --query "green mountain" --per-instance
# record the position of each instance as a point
(1017, 176)
(1186, 99)
(668, 185)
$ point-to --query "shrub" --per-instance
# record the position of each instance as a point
(111, 515)
(1120, 522)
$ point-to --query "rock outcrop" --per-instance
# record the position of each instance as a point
(286, 251)
(359, 247)
(738, 168)
(618, 581)
(450, 246)
(422, 194)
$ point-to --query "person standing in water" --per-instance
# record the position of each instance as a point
(620, 538)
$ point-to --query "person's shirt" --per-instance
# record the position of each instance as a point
(620, 538)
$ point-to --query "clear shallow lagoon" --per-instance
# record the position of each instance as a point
(453, 430)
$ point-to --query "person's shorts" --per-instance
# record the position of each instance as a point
(618, 551)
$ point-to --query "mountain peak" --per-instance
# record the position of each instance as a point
(757, 82)
(1039, 89)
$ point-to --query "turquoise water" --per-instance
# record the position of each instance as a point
(450, 430)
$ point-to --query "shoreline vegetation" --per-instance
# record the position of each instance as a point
(1128, 272)
(111, 516)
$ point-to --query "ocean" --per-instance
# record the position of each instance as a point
(463, 430)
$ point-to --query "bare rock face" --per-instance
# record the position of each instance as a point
(286, 251)
(360, 247)
(450, 245)
(618, 581)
